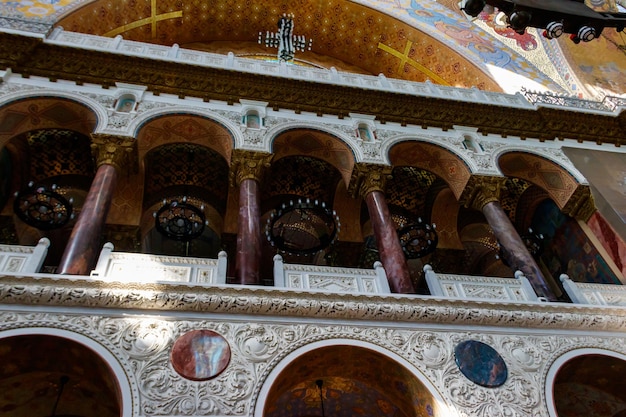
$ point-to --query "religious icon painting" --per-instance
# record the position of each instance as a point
(200, 355)
(480, 363)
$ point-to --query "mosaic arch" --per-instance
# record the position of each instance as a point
(547, 175)
(21, 116)
(587, 382)
(315, 144)
(353, 378)
(43, 359)
(184, 128)
(440, 161)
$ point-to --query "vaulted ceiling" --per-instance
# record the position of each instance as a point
(412, 39)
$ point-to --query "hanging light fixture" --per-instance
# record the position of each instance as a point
(418, 239)
(43, 207)
(320, 384)
(302, 227)
(180, 220)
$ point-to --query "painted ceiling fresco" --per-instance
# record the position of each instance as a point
(413, 39)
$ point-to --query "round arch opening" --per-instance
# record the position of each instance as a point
(46, 374)
(588, 382)
(347, 380)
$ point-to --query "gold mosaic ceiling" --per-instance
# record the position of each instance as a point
(346, 35)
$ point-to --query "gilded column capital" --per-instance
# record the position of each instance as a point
(367, 178)
(580, 205)
(118, 151)
(481, 190)
(248, 165)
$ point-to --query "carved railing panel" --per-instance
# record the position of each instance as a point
(23, 259)
(138, 267)
(332, 279)
(478, 287)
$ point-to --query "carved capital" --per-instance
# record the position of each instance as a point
(367, 178)
(118, 151)
(580, 205)
(248, 165)
(481, 190)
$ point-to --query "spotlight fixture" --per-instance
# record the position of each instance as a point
(418, 239)
(302, 227)
(553, 30)
(473, 7)
(519, 20)
(554, 16)
(180, 220)
(43, 207)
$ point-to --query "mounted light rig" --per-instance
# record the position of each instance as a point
(554, 16)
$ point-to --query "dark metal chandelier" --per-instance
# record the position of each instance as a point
(302, 227)
(43, 207)
(418, 239)
(285, 40)
(180, 220)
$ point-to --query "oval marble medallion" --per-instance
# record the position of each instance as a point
(200, 355)
(480, 363)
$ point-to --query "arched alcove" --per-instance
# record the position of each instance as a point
(350, 379)
(588, 383)
(45, 375)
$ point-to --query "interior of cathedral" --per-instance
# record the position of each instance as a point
(109, 137)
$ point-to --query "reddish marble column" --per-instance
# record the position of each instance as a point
(390, 251)
(247, 169)
(248, 259)
(83, 247)
(514, 250)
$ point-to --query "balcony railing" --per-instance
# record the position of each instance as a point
(138, 267)
(23, 259)
(145, 268)
(595, 294)
(523, 100)
(477, 287)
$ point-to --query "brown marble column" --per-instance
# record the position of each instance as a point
(247, 169)
(483, 194)
(369, 182)
(83, 246)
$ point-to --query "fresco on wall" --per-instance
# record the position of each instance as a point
(567, 250)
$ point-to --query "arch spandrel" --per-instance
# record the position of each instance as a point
(21, 116)
(440, 161)
(547, 175)
(184, 128)
(315, 144)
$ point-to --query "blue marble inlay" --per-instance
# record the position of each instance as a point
(480, 363)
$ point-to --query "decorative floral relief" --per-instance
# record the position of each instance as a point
(142, 346)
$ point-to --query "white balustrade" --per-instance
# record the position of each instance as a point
(139, 267)
(478, 287)
(595, 294)
(331, 76)
(23, 259)
(332, 279)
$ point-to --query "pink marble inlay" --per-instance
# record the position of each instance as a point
(200, 355)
